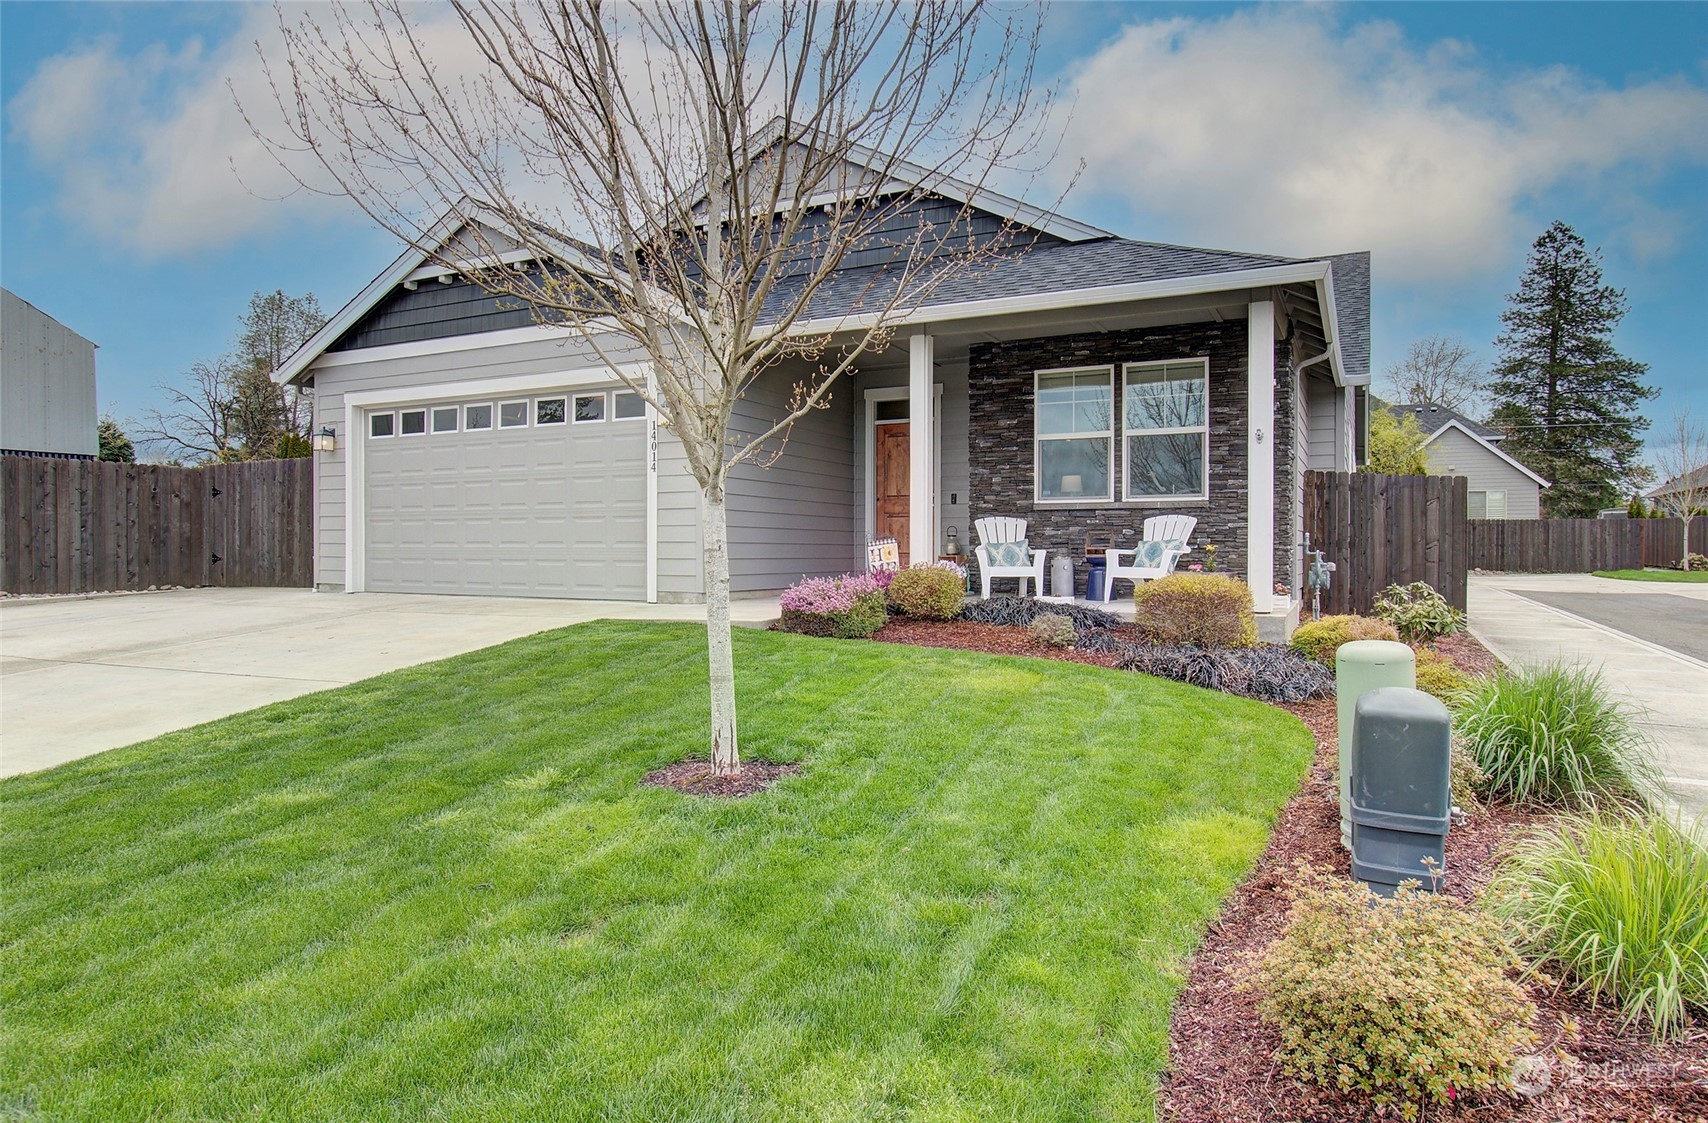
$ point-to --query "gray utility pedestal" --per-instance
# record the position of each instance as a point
(1401, 806)
(1359, 667)
(1061, 577)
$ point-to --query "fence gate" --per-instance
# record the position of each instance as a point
(1384, 530)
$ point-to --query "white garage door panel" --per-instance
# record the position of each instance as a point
(547, 511)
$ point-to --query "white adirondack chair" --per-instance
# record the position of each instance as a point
(1165, 543)
(996, 531)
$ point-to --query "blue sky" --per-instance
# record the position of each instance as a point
(1442, 136)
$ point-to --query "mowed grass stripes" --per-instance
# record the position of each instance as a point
(441, 894)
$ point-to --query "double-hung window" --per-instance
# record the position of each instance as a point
(1165, 430)
(1074, 435)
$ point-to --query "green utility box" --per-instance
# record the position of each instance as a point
(1360, 667)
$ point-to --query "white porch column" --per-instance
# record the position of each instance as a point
(1260, 451)
(922, 448)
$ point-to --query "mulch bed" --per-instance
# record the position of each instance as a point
(694, 777)
(1222, 1066)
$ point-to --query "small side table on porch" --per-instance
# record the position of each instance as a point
(1099, 566)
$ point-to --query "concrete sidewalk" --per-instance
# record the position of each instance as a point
(79, 675)
(1669, 687)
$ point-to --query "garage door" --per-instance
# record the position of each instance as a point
(543, 496)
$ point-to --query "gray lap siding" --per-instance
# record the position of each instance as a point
(1000, 441)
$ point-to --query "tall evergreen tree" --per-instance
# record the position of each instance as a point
(1565, 398)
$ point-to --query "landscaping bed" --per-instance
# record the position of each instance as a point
(1222, 1057)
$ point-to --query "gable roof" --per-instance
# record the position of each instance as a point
(1485, 443)
(1432, 418)
(1696, 477)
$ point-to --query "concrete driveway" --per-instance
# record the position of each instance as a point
(82, 675)
(1650, 641)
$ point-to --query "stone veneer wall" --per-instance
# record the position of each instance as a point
(1000, 446)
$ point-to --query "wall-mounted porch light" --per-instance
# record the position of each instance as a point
(326, 440)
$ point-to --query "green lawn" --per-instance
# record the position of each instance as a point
(1693, 577)
(441, 894)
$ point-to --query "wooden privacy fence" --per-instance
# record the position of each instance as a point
(1383, 530)
(1556, 545)
(76, 526)
(1663, 539)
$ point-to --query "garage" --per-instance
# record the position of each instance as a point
(537, 496)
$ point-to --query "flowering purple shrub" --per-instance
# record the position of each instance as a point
(850, 606)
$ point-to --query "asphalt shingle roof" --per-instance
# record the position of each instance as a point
(1093, 264)
(1431, 417)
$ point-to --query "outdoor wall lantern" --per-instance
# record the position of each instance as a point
(326, 440)
(952, 547)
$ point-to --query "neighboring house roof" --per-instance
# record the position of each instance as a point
(1432, 418)
(1697, 477)
(1486, 443)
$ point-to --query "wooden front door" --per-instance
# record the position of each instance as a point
(890, 484)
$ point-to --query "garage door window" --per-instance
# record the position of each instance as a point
(513, 415)
(477, 417)
(381, 424)
(589, 407)
(628, 405)
(445, 420)
(412, 422)
(548, 411)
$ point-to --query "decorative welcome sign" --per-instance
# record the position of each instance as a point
(883, 553)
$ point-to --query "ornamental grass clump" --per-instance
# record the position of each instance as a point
(1407, 1000)
(929, 590)
(1618, 904)
(1200, 609)
(1320, 639)
(1555, 735)
(848, 607)
(1418, 612)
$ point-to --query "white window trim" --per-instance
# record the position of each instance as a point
(641, 416)
(527, 413)
(433, 413)
(491, 417)
(1039, 438)
(1159, 500)
(424, 421)
(373, 436)
(604, 408)
(564, 398)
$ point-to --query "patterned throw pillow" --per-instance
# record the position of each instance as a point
(1008, 555)
(1152, 554)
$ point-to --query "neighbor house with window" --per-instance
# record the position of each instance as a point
(1499, 486)
(1083, 384)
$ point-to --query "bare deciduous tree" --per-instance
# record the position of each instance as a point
(1682, 464)
(1439, 369)
(683, 181)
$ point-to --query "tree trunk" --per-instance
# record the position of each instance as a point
(726, 760)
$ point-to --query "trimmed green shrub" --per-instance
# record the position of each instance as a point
(1201, 609)
(1437, 675)
(1619, 904)
(1406, 1000)
(1418, 612)
(1320, 639)
(1057, 631)
(929, 590)
(1553, 734)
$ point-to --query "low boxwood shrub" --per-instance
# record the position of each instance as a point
(929, 590)
(1203, 609)
(1417, 612)
(1320, 639)
(1618, 903)
(849, 607)
(1437, 675)
(1054, 629)
(1268, 672)
(1553, 734)
(1408, 1000)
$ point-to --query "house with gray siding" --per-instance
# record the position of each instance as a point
(47, 384)
(1084, 382)
(1499, 486)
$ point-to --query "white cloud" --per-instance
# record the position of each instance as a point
(1279, 128)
